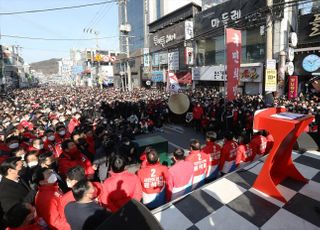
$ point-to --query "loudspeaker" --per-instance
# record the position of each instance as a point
(133, 215)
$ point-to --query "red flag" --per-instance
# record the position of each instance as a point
(233, 39)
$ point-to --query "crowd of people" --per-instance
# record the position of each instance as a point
(64, 151)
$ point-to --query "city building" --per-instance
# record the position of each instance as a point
(12, 74)
(170, 47)
(140, 13)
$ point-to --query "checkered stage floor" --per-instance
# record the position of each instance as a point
(231, 203)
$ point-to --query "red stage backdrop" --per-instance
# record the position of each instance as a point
(293, 87)
(233, 39)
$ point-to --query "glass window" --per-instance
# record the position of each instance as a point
(210, 50)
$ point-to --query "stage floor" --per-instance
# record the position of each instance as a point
(231, 203)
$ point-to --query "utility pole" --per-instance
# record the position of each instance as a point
(124, 30)
(269, 37)
(128, 29)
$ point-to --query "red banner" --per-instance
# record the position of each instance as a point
(233, 39)
(293, 87)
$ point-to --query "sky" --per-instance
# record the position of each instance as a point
(58, 24)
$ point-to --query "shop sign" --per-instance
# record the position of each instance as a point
(168, 37)
(155, 59)
(157, 76)
(271, 64)
(290, 54)
(251, 74)
(146, 57)
(309, 28)
(233, 40)
(293, 87)
(163, 58)
(231, 11)
(271, 80)
(290, 68)
(173, 60)
(188, 29)
(189, 60)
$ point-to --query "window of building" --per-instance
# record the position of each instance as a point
(211, 50)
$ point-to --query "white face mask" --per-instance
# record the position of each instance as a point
(52, 178)
(14, 145)
(32, 164)
(62, 133)
(69, 184)
(51, 138)
(40, 147)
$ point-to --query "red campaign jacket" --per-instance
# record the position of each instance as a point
(91, 147)
(228, 152)
(259, 144)
(47, 204)
(200, 162)
(214, 151)
(245, 153)
(34, 226)
(119, 189)
(143, 158)
(39, 151)
(65, 163)
(68, 197)
(155, 178)
(182, 175)
(60, 139)
(74, 122)
(52, 147)
(197, 112)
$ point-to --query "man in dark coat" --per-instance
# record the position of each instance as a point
(13, 189)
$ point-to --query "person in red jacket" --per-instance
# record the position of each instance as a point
(197, 113)
(182, 174)
(61, 134)
(51, 145)
(48, 198)
(121, 186)
(156, 182)
(71, 157)
(228, 154)
(259, 144)
(37, 145)
(23, 216)
(200, 162)
(74, 122)
(214, 152)
(245, 152)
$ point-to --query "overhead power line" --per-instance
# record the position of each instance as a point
(57, 39)
(55, 9)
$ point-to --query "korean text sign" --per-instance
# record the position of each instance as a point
(233, 39)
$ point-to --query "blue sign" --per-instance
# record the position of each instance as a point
(157, 76)
(77, 69)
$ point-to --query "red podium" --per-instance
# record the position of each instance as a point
(278, 165)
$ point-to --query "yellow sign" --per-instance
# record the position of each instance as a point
(270, 80)
(98, 57)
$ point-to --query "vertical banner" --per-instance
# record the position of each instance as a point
(293, 87)
(188, 56)
(173, 81)
(270, 84)
(146, 58)
(233, 40)
(173, 60)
